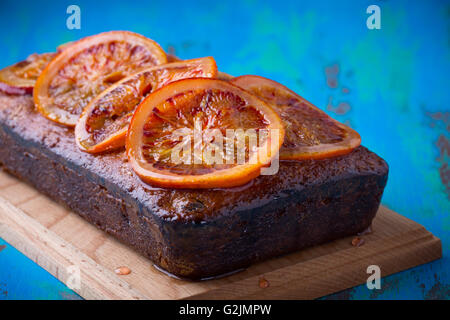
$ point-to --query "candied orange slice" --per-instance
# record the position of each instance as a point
(172, 58)
(224, 76)
(310, 132)
(63, 46)
(85, 68)
(205, 119)
(21, 77)
(104, 122)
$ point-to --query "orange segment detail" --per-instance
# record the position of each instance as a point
(21, 77)
(85, 68)
(310, 132)
(104, 122)
(186, 135)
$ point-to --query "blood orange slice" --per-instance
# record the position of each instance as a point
(86, 67)
(220, 75)
(172, 58)
(198, 116)
(310, 132)
(104, 122)
(21, 77)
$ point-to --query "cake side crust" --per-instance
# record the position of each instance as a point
(194, 233)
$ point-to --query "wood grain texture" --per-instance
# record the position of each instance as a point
(56, 238)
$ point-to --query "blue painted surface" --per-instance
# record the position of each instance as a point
(392, 85)
(21, 278)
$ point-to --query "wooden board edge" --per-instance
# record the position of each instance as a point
(305, 280)
(60, 256)
(291, 283)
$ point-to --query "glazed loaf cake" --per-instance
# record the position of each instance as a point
(193, 233)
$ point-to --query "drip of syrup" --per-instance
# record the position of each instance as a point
(167, 273)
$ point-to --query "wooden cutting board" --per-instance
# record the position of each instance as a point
(56, 239)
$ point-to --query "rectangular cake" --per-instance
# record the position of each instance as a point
(193, 234)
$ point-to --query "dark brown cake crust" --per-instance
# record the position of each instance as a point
(193, 233)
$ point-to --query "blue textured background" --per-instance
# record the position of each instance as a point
(391, 85)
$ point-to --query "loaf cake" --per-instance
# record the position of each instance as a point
(193, 233)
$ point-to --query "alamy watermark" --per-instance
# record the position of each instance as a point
(74, 20)
(74, 277)
(374, 20)
(374, 280)
(238, 146)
